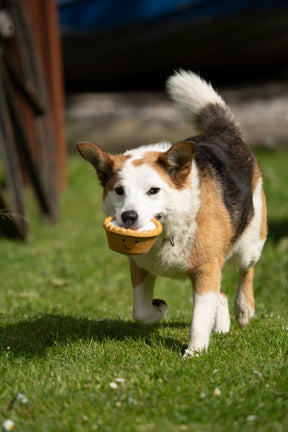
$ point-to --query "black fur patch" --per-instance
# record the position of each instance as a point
(223, 156)
(215, 116)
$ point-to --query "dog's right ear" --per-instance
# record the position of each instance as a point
(102, 161)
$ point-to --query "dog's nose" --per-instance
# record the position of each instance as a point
(129, 217)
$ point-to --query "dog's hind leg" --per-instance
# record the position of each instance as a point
(146, 310)
(244, 301)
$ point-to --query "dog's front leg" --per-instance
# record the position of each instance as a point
(206, 284)
(146, 310)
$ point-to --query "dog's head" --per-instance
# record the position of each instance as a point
(142, 183)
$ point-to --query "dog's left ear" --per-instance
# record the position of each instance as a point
(177, 161)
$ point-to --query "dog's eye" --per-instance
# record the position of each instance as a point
(119, 190)
(153, 191)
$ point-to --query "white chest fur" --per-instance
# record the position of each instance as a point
(166, 259)
(171, 253)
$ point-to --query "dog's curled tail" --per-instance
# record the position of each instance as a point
(200, 103)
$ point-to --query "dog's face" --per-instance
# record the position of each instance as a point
(141, 184)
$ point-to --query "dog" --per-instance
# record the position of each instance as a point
(207, 191)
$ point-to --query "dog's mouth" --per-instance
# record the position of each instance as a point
(135, 227)
(131, 227)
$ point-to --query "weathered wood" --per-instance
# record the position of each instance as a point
(45, 178)
(11, 169)
(10, 224)
(31, 133)
(27, 91)
(23, 147)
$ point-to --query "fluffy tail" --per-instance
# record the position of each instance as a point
(198, 102)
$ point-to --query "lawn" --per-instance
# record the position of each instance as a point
(69, 345)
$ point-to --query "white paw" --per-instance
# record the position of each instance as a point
(198, 343)
(159, 310)
(244, 314)
(189, 353)
(243, 311)
(160, 306)
(155, 313)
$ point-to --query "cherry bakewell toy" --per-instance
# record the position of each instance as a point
(131, 242)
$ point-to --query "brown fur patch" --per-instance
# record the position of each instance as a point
(257, 175)
(149, 157)
(177, 162)
(118, 163)
(152, 158)
(106, 165)
(263, 228)
(246, 285)
(212, 240)
(207, 279)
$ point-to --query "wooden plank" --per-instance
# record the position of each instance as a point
(44, 180)
(28, 93)
(45, 27)
(11, 171)
(23, 147)
(9, 222)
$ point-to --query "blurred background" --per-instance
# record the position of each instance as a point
(95, 70)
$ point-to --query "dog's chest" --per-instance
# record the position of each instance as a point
(169, 257)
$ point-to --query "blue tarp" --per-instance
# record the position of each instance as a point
(91, 15)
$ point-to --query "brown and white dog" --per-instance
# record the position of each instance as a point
(207, 192)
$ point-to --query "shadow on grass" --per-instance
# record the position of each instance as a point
(30, 338)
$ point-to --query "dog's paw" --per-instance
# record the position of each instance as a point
(244, 314)
(161, 305)
(188, 354)
(191, 353)
(243, 311)
(155, 313)
(160, 308)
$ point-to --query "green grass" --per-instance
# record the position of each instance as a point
(66, 331)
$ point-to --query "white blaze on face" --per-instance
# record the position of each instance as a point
(138, 183)
(139, 175)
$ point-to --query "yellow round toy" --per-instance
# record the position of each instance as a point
(128, 241)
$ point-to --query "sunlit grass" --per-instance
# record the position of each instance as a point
(66, 331)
